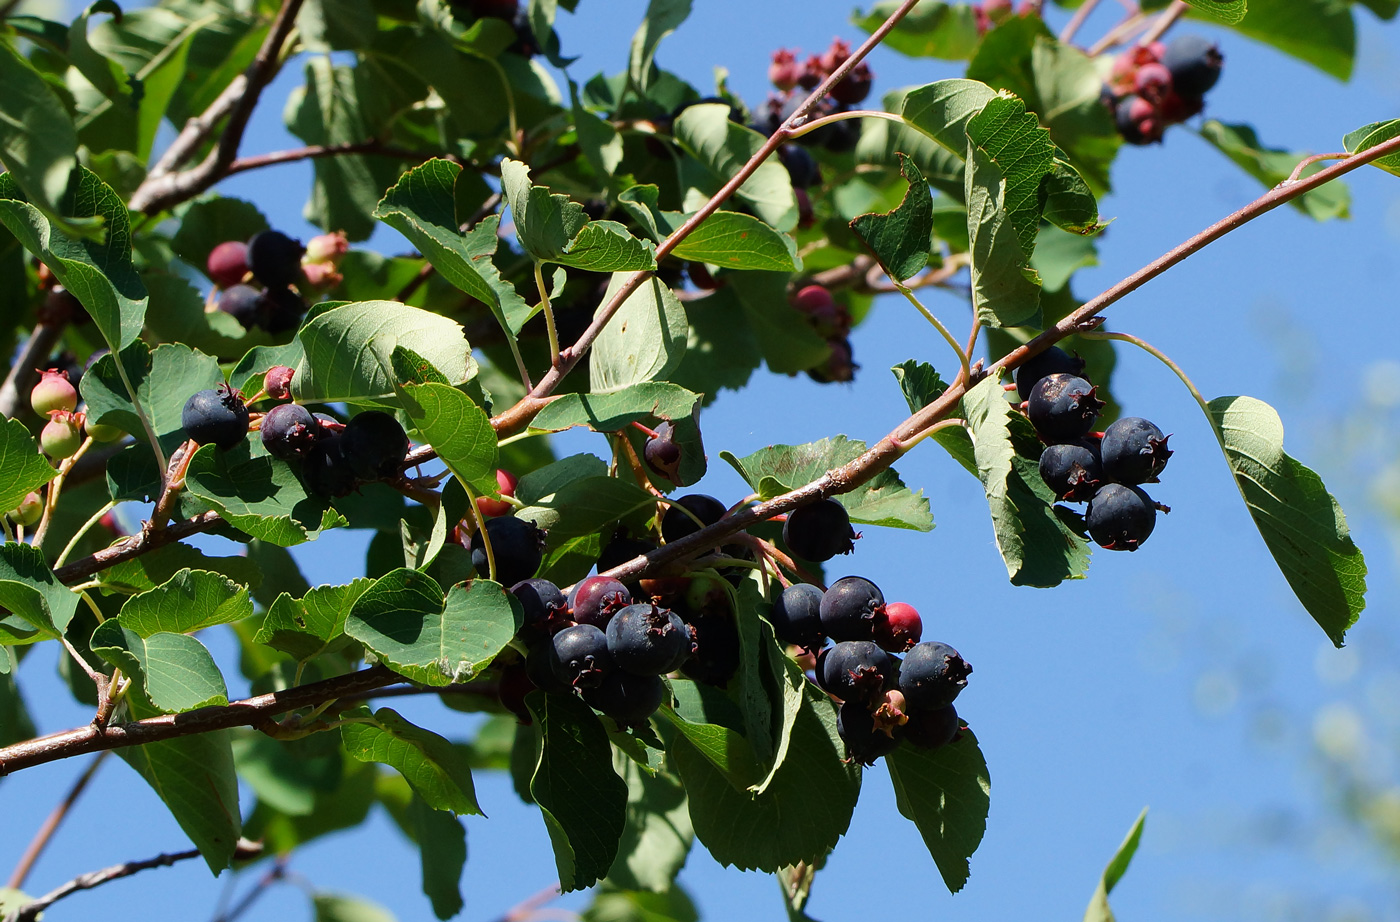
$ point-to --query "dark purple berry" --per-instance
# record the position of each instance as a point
(243, 303)
(227, 263)
(1063, 408)
(544, 606)
(1072, 469)
(819, 531)
(801, 166)
(647, 639)
(1120, 517)
(848, 609)
(325, 470)
(274, 258)
(864, 741)
(930, 729)
(857, 670)
(517, 545)
(1134, 451)
(676, 524)
(1194, 62)
(622, 549)
(1139, 121)
(662, 453)
(796, 616)
(595, 600)
(627, 698)
(216, 416)
(1053, 361)
(281, 309)
(581, 657)
(288, 431)
(716, 641)
(375, 445)
(932, 675)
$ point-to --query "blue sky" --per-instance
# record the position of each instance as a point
(1184, 677)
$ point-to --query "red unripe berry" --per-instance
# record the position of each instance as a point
(784, 70)
(491, 507)
(812, 73)
(1153, 82)
(828, 318)
(898, 627)
(62, 435)
(28, 512)
(53, 392)
(278, 382)
(228, 263)
(839, 53)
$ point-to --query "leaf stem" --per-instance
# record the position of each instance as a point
(1309, 161)
(480, 521)
(825, 120)
(548, 315)
(937, 324)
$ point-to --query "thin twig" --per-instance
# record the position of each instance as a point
(372, 147)
(277, 872)
(135, 546)
(1077, 20)
(525, 907)
(1130, 25)
(1164, 21)
(55, 819)
(1309, 161)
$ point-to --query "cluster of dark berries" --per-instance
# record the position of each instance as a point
(830, 320)
(1153, 86)
(256, 281)
(1104, 469)
(883, 699)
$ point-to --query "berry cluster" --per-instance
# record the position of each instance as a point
(1153, 86)
(830, 319)
(1104, 469)
(274, 262)
(884, 699)
(55, 397)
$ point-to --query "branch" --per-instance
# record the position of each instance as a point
(159, 192)
(517, 416)
(30, 911)
(372, 147)
(134, 546)
(1164, 21)
(1077, 20)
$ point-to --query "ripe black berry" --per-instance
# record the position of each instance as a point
(1072, 469)
(1063, 408)
(796, 616)
(288, 431)
(1120, 517)
(931, 676)
(627, 698)
(857, 670)
(1194, 63)
(242, 303)
(1139, 121)
(274, 258)
(216, 416)
(801, 166)
(581, 658)
(648, 640)
(375, 446)
(325, 471)
(518, 546)
(622, 549)
(716, 655)
(1053, 361)
(849, 607)
(675, 524)
(544, 606)
(281, 309)
(1134, 451)
(819, 531)
(864, 741)
(930, 729)
(595, 600)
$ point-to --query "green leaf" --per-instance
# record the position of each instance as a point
(583, 800)
(644, 341)
(99, 274)
(189, 601)
(1099, 910)
(671, 905)
(458, 429)
(883, 141)
(194, 776)
(258, 495)
(929, 30)
(146, 572)
(735, 241)
(657, 837)
(544, 482)
(1037, 547)
(942, 109)
(404, 619)
(1368, 136)
(946, 792)
(788, 343)
(554, 229)
(720, 148)
(164, 379)
(38, 143)
(801, 815)
(583, 507)
(713, 725)
(313, 624)
(349, 351)
(1059, 254)
(1272, 165)
(1068, 88)
(901, 239)
(29, 589)
(176, 671)
(16, 726)
(436, 769)
(22, 469)
(662, 18)
(334, 907)
(442, 845)
(422, 207)
(1320, 32)
(922, 386)
(1301, 523)
(882, 500)
(1226, 11)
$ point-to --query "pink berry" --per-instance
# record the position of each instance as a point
(278, 382)
(327, 248)
(228, 263)
(53, 392)
(491, 508)
(1153, 82)
(899, 627)
(784, 70)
